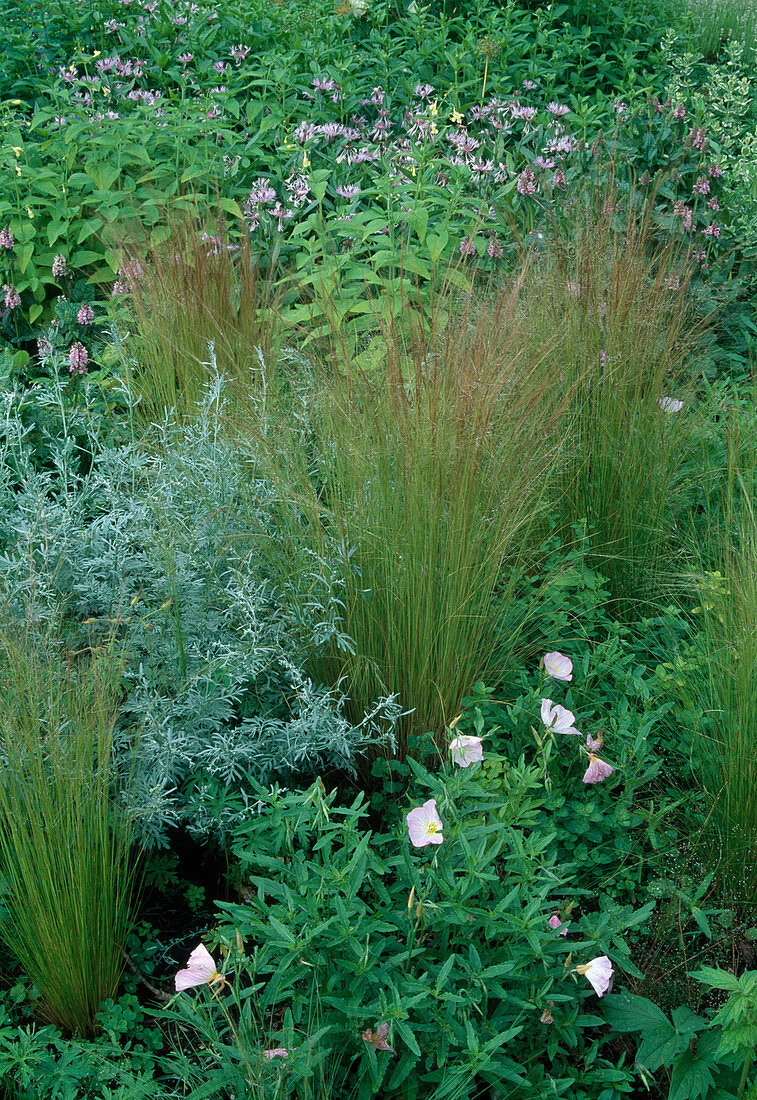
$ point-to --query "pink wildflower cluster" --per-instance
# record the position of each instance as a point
(86, 314)
(6, 238)
(12, 298)
(78, 357)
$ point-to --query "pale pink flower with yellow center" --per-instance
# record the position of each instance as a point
(594, 744)
(557, 666)
(598, 973)
(201, 970)
(466, 750)
(424, 825)
(597, 770)
(557, 718)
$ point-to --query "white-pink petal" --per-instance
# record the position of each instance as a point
(598, 973)
(597, 770)
(594, 744)
(466, 750)
(558, 666)
(200, 970)
(557, 718)
(275, 1052)
(424, 825)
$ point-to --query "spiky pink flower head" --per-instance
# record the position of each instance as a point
(78, 357)
(558, 922)
(495, 249)
(86, 314)
(594, 744)
(200, 970)
(598, 973)
(424, 825)
(275, 1052)
(12, 297)
(6, 238)
(557, 666)
(60, 267)
(557, 718)
(466, 750)
(467, 247)
(597, 770)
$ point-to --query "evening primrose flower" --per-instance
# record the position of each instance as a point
(557, 922)
(200, 970)
(557, 718)
(597, 770)
(598, 973)
(424, 825)
(557, 666)
(466, 750)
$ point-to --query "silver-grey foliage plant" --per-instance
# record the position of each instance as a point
(164, 545)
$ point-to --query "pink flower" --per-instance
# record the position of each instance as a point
(495, 249)
(424, 825)
(12, 297)
(86, 314)
(680, 111)
(557, 666)
(557, 718)
(594, 744)
(466, 750)
(60, 267)
(467, 247)
(78, 358)
(6, 238)
(597, 770)
(275, 1052)
(557, 922)
(201, 970)
(598, 972)
(558, 109)
(377, 1038)
(526, 184)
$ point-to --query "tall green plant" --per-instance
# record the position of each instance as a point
(196, 289)
(430, 471)
(64, 839)
(613, 305)
(721, 690)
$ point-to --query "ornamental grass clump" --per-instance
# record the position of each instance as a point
(429, 476)
(65, 855)
(195, 290)
(612, 303)
(720, 689)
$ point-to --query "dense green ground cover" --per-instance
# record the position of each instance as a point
(377, 414)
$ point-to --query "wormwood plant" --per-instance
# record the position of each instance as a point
(65, 853)
(611, 307)
(428, 475)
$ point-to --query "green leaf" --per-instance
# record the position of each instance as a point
(24, 254)
(407, 1037)
(231, 206)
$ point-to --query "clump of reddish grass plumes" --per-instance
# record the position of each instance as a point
(433, 462)
(613, 302)
(199, 287)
